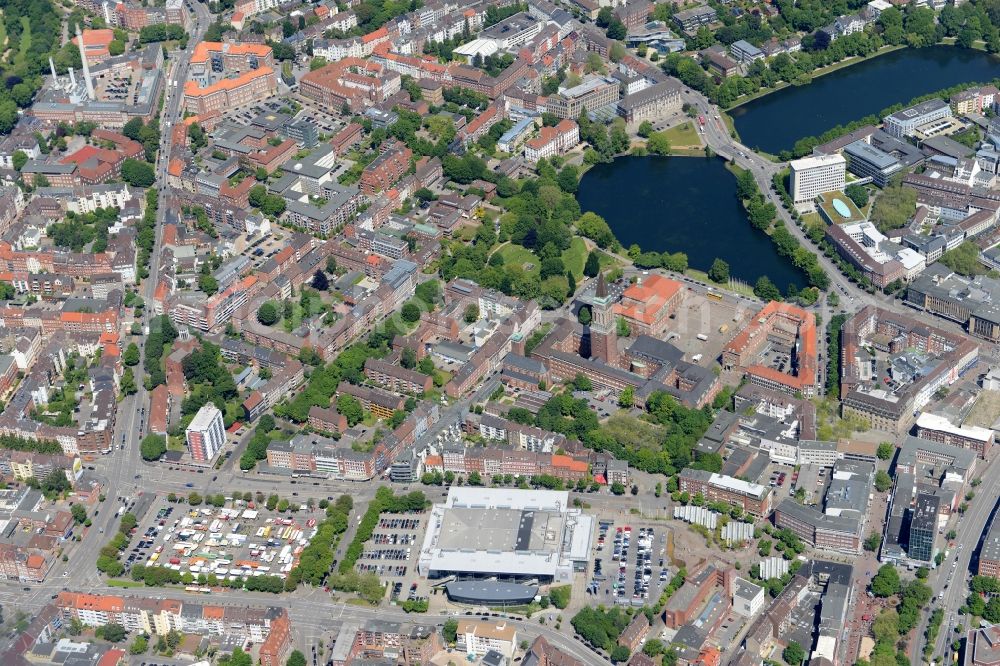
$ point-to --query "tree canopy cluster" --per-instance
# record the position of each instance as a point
(161, 334)
(207, 378)
(316, 559)
(349, 366)
(893, 625)
(539, 217)
(32, 29)
(600, 626)
(964, 259)
(78, 231)
(146, 236)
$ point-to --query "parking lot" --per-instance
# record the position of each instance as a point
(235, 541)
(630, 566)
(392, 551)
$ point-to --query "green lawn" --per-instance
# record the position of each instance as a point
(683, 135)
(115, 582)
(575, 257)
(607, 261)
(515, 255)
(25, 43)
(3, 34)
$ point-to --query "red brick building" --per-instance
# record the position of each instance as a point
(387, 168)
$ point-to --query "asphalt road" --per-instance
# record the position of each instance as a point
(312, 613)
(953, 571)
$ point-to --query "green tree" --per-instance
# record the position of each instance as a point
(127, 385)
(19, 159)
(894, 207)
(872, 542)
(351, 408)
(885, 450)
(964, 259)
(152, 447)
(114, 633)
(658, 143)
(746, 186)
(886, 582)
(627, 398)
(237, 658)
(560, 596)
(138, 174)
(645, 129)
(296, 658)
(793, 654)
(471, 314)
(267, 314)
(593, 265)
(139, 645)
(450, 630)
(568, 179)
(595, 228)
(583, 316)
(761, 213)
(319, 281)
(410, 312)
(766, 290)
(131, 354)
(858, 194)
(719, 272)
(882, 481)
(208, 284)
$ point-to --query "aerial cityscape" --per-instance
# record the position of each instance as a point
(499, 332)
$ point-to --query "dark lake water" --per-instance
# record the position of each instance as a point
(775, 122)
(683, 204)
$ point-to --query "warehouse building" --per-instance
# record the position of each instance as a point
(507, 533)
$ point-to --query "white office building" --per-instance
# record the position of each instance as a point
(905, 122)
(748, 598)
(206, 435)
(812, 176)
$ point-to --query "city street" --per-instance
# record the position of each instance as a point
(970, 528)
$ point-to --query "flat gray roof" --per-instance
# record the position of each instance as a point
(863, 151)
(498, 530)
(490, 591)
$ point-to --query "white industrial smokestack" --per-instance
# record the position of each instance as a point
(86, 68)
(52, 66)
(72, 79)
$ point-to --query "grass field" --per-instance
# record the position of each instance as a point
(683, 135)
(115, 582)
(175, 443)
(607, 261)
(515, 255)
(575, 257)
(25, 43)
(466, 233)
(984, 411)
(3, 33)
